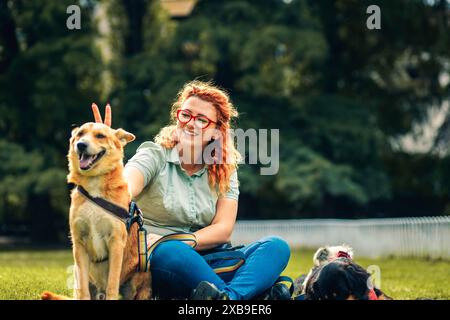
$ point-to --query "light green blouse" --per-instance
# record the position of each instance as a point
(171, 200)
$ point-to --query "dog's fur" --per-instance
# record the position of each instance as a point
(105, 253)
(335, 276)
(327, 254)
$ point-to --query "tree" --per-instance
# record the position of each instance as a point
(49, 77)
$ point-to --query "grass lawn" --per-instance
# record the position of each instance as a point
(25, 274)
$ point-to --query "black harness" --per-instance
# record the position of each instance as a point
(115, 210)
(134, 215)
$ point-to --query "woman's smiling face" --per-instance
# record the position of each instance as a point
(190, 133)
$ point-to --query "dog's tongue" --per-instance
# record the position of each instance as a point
(85, 161)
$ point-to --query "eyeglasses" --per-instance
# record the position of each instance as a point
(201, 122)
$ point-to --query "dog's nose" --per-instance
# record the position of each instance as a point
(82, 146)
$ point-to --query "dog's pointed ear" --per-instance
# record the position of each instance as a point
(74, 130)
(124, 136)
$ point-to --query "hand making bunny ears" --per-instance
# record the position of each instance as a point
(98, 117)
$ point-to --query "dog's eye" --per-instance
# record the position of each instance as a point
(80, 133)
(100, 136)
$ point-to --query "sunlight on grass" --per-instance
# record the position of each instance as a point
(25, 274)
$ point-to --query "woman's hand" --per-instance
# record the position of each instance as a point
(133, 176)
(221, 228)
(152, 238)
(98, 117)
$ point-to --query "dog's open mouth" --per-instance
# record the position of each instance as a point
(88, 160)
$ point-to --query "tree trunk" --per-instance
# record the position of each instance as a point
(135, 11)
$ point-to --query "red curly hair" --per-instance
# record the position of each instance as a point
(220, 172)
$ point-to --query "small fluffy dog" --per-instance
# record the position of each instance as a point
(336, 277)
(105, 254)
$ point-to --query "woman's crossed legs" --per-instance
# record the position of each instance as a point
(177, 269)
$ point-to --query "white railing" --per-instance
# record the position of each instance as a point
(404, 237)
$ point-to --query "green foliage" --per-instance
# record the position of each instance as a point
(47, 81)
(396, 68)
(19, 171)
(337, 92)
(307, 178)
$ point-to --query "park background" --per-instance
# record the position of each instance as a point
(363, 114)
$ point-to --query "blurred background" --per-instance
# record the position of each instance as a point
(363, 114)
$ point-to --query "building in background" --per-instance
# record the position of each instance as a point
(179, 8)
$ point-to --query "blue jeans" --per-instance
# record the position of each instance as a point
(177, 269)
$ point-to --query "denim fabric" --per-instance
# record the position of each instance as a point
(177, 269)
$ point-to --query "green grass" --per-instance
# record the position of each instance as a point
(25, 274)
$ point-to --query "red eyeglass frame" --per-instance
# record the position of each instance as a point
(194, 117)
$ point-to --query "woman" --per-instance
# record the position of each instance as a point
(179, 189)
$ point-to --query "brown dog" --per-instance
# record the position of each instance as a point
(105, 254)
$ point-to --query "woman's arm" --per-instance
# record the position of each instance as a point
(134, 177)
(135, 180)
(220, 229)
(136, 184)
